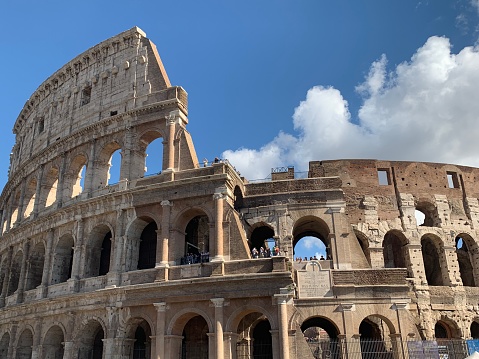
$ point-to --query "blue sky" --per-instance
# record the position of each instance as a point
(277, 83)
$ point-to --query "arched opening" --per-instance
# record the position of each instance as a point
(254, 337)
(105, 254)
(90, 343)
(442, 331)
(465, 259)
(311, 238)
(141, 347)
(63, 260)
(4, 343)
(24, 345)
(429, 212)
(15, 204)
(394, 250)
(474, 330)
(147, 250)
(35, 267)
(3, 271)
(238, 195)
(15, 273)
(154, 157)
(30, 196)
(99, 251)
(114, 168)
(53, 343)
(374, 338)
(194, 344)
(259, 241)
(446, 332)
(431, 253)
(197, 240)
(49, 190)
(420, 217)
(364, 260)
(322, 337)
(74, 181)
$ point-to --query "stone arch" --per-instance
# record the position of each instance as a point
(321, 335)
(432, 249)
(467, 252)
(196, 226)
(99, 250)
(35, 266)
(15, 272)
(14, 208)
(53, 340)
(138, 330)
(4, 344)
(238, 198)
(63, 259)
(141, 244)
(236, 317)
(146, 139)
(446, 328)
(474, 329)
(254, 336)
(49, 185)
(24, 345)
(3, 269)
(374, 336)
(363, 241)
(30, 193)
(312, 227)
(395, 252)
(72, 183)
(89, 344)
(261, 236)
(428, 208)
(326, 324)
(385, 324)
(102, 168)
(179, 320)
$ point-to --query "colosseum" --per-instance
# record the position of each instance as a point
(195, 261)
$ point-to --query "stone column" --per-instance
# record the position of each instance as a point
(36, 203)
(61, 181)
(219, 344)
(162, 255)
(275, 343)
(68, 350)
(77, 255)
(37, 349)
(170, 123)
(218, 197)
(230, 345)
(114, 275)
(47, 263)
(90, 168)
(160, 330)
(173, 346)
(347, 310)
(13, 340)
(282, 300)
(6, 277)
(23, 271)
(21, 205)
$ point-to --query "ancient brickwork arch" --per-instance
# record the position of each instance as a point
(434, 259)
(29, 197)
(72, 182)
(62, 260)
(99, 250)
(35, 265)
(141, 242)
(467, 251)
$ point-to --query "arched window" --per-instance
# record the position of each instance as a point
(154, 157)
(431, 252)
(35, 267)
(99, 251)
(62, 260)
(105, 254)
(311, 238)
(260, 239)
(147, 251)
(464, 258)
(197, 236)
(394, 250)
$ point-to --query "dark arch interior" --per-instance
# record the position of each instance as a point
(475, 330)
(197, 235)
(139, 348)
(465, 267)
(195, 339)
(97, 352)
(259, 236)
(431, 262)
(440, 331)
(262, 342)
(323, 323)
(238, 203)
(393, 251)
(147, 252)
(105, 254)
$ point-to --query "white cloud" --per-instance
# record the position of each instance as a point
(425, 109)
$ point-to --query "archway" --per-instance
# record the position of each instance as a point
(63, 260)
(254, 337)
(429, 212)
(375, 338)
(154, 157)
(99, 251)
(90, 342)
(53, 343)
(260, 240)
(24, 345)
(474, 330)
(35, 267)
(432, 258)
(311, 238)
(4, 343)
(194, 344)
(465, 258)
(394, 250)
(197, 240)
(147, 250)
(322, 337)
(15, 273)
(30, 193)
(238, 196)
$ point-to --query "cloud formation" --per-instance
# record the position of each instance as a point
(425, 109)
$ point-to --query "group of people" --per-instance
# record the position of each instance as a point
(194, 258)
(265, 252)
(315, 258)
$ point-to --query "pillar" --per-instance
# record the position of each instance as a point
(61, 181)
(36, 203)
(21, 205)
(219, 344)
(160, 330)
(162, 242)
(218, 198)
(170, 123)
(88, 183)
(68, 350)
(6, 277)
(114, 275)
(77, 254)
(275, 343)
(282, 300)
(23, 271)
(173, 346)
(13, 340)
(47, 263)
(230, 345)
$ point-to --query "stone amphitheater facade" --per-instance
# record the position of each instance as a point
(161, 266)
